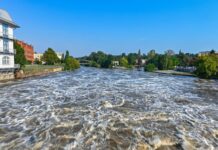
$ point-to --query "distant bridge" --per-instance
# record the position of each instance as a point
(84, 62)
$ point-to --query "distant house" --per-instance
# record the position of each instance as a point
(115, 63)
(60, 55)
(143, 61)
(38, 56)
(28, 50)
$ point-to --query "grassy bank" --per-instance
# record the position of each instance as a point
(40, 68)
(172, 72)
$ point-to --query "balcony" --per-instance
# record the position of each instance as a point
(6, 35)
(7, 51)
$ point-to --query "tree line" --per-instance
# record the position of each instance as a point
(49, 57)
(206, 65)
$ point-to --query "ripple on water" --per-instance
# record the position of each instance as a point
(109, 109)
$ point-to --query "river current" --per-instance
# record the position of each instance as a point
(109, 109)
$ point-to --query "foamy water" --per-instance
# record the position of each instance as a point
(109, 109)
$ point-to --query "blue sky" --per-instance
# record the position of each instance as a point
(116, 26)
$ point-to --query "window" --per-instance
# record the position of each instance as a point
(5, 60)
(5, 46)
(5, 29)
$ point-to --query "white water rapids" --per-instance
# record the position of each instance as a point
(109, 109)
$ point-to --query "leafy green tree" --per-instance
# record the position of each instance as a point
(124, 62)
(207, 66)
(139, 58)
(150, 68)
(19, 56)
(37, 61)
(132, 58)
(66, 56)
(71, 63)
(94, 64)
(50, 57)
(151, 54)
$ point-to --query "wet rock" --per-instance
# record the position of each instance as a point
(38, 145)
(143, 146)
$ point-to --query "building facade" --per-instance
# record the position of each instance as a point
(38, 56)
(60, 55)
(7, 51)
(28, 51)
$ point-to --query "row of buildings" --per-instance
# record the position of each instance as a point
(7, 51)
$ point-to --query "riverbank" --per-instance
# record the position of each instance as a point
(37, 70)
(173, 72)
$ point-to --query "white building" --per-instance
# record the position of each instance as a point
(7, 51)
(38, 56)
(60, 55)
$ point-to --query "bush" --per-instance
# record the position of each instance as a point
(124, 62)
(207, 66)
(71, 63)
(150, 68)
(94, 64)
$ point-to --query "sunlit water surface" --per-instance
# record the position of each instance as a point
(109, 109)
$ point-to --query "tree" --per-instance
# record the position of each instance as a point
(150, 68)
(71, 63)
(132, 58)
(124, 62)
(19, 56)
(37, 61)
(207, 66)
(101, 59)
(66, 56)
(139, 59)
(170, 52)
(151, 54)
(50, 57)
(212, 51)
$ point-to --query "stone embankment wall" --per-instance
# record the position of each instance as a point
(21, 74)
(4, 76)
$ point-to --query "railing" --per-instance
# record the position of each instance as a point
(7, 51)
(6, 35)
(17, 66)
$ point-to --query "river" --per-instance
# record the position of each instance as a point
(109, 109)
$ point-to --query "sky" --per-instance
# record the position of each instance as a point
(116, 26)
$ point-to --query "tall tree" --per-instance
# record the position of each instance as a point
(66, 56)
(50, 57)
(19, 56)
(124, 62)
(139, 59)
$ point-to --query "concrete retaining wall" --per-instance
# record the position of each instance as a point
(6, 76)
(21, 74)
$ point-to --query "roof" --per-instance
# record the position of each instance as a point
(6, 18)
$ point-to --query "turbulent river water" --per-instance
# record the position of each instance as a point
(109, 109)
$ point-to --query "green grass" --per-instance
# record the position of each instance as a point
(39, 68)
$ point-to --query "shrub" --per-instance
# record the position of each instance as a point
(150, 68)
(71, 63)
(207, 66)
